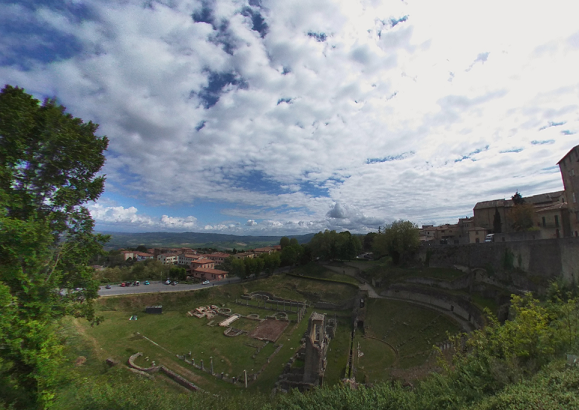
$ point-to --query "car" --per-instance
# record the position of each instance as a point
(108, 287)
(206, 283)
(136, 283)
(490, 237)
(146, 282)
(123, 285)
(168, 282)
(174, 283)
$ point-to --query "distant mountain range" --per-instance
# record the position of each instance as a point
(194, 240)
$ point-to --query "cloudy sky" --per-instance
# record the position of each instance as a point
(290, 117)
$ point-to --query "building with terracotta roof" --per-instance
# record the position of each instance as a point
(268, 249)
(243, 255)
(202, 263)
(208, 274)
(218, 257)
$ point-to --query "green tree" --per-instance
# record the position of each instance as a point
(290, 255)
(178, 273)
(270, 262)
(522, 216)
(284, 241)
(48, 166)
(399, 240)
(369, 241)
(237, 268)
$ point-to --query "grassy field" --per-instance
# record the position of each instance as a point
(410, 329)
(162, 337)
(374, 361)
(317, 271)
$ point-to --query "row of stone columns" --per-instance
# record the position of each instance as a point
(233, 379)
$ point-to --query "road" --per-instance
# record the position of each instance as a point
(157, 286)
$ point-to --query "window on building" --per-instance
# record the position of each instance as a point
(544, 222)
(557, 221)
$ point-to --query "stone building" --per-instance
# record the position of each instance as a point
(495, 216)
(321, 331)
(317, 343)
(569, 166)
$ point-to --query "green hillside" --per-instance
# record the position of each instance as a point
(194, 240)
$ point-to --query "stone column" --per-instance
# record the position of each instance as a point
(245, 377)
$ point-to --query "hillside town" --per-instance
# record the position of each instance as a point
(542, 216)
(198, 266)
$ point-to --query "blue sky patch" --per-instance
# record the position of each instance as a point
(200, 126)
(395, 22)
(258, 22)
(257, 181)
(205, 15)
(217, 82)
(511, 150)
(389, 158)
(552, 124)
(536, 142)
(319, 37)
(314, 190)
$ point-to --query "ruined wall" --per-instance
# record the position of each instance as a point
(526, 264)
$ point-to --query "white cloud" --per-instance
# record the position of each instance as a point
(389, 117)
(115, 216)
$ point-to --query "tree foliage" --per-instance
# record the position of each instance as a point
(399, 240)
(252, 266)
(329, 245)
(522, 217)
(284, 241)
(49, 162)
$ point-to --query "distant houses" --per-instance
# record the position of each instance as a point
(198, 266)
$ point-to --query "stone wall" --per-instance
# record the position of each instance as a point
(528, 265)
(153, 369)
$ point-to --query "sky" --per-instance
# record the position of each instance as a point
(276, 117)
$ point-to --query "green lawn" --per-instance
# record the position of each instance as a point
(376, 359)
(317, 271)
(175, 333)
(408, 328)
(337, 358)
(411, 329)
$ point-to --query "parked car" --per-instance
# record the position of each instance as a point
(168, 282)
(123, 285)
(206, 283)
(146, 282)
(136, 283)
(174, 283)
(108, 287)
